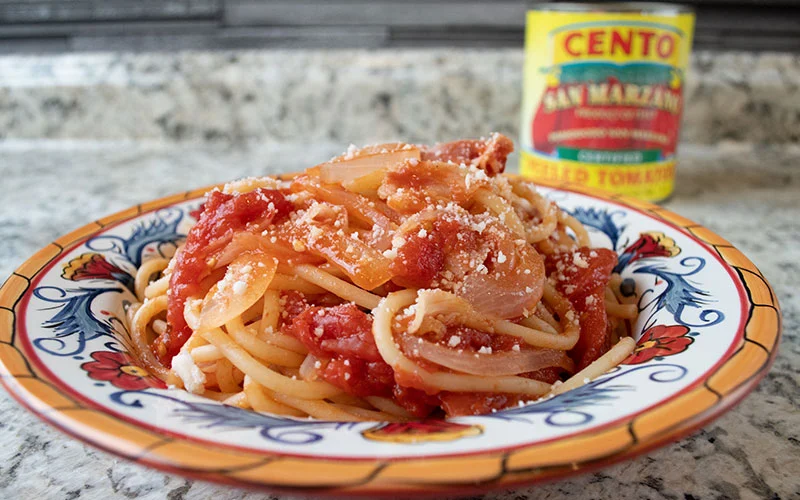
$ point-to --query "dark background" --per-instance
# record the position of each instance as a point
(89, 25)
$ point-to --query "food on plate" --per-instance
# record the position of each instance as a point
(393, 282)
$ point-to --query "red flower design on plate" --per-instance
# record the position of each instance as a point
(116, 368)
(660, 341)
(195, 214)
(89, 266)
(649, 245)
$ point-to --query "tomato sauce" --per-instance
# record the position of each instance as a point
(582, 276)
(293, 304)
(341, 337)
(478, 403)
(412, 188)
(488, 155)
(222, 216)
(422, 259)
(419, 261)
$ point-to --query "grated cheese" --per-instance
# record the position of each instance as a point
(194, 380)
(351, 152)
(239, 287)
(578, 261)
(316, 232)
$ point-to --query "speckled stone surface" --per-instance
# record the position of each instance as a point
(349, 95)
(748, 194)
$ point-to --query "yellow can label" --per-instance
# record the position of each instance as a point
(603, 98)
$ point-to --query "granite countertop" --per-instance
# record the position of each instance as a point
(748, 194)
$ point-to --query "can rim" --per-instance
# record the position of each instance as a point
(643, 7)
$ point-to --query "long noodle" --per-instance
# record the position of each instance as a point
(264, 375)
(141, 320)
(263, 350)
(145, 273)
(337, 286)
(384, 339)
(612, 358)
(253, 340)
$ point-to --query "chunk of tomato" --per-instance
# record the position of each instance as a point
(582, 276)
(222, 216)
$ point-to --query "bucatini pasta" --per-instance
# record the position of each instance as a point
(393, 282)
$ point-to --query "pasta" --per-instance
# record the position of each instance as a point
(392, 282)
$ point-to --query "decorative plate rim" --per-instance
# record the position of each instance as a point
(721, 387)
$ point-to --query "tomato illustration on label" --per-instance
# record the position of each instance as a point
(608, 115)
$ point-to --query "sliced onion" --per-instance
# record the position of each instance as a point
(308, 369)
(513, 287)
(494, 365)
(241, 243)
(245, 281)
(366, 184)
(498, 297)
(359, 208)
(434, 302)
(249, 242)
(409, 188)
(361, 162)
(364, 265)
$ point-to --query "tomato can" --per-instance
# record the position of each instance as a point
(603, 95)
